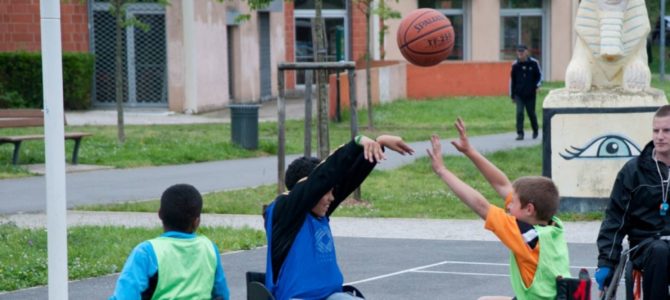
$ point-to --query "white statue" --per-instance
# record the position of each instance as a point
(611, 46)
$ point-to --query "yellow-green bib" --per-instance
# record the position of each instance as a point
(553, 262)
(186, 268)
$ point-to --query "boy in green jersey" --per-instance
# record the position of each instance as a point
(179, 264)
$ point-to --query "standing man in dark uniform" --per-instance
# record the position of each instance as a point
(525, 80)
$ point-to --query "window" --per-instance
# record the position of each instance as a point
(520, 4)
(454, 10)
(327, 4)
(521, 22)
(335, 20)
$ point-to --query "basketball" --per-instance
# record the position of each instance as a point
(425, 37)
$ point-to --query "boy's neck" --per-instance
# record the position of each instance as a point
(166, 229)
(535, 221)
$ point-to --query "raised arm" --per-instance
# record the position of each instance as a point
(471, 197)
(496, 178)
(364, 164)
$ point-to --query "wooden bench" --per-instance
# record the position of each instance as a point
(15, 118)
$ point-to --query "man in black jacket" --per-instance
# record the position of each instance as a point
(526, 78)
(638, 209)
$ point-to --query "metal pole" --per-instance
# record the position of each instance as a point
(281, 144)
(338, 116)
(662, 49)
(353, 102)
(354, 114)
(54, 148)
(308, 113)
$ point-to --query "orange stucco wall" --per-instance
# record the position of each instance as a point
(458, 79)
(444, 80)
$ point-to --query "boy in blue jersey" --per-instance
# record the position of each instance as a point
(179, 264)
(301, 261)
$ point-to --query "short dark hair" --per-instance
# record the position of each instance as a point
(181, 204)
(298, 169)
(540, 191)
(662, 111)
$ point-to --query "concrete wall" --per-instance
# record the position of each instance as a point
(246, 53)
(561, 40)
(391, 41)
(211, 55)
(199, 82)
(485, 33)
(197, 56)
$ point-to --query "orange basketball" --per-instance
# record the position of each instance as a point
(425, 37)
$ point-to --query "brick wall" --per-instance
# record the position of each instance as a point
(289, 43)
(358, 33)
(20, 26)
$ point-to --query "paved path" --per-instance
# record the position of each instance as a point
(120, 185)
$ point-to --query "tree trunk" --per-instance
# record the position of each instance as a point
(382, 31)
(118, 69)
(368, 80)
(322, 105)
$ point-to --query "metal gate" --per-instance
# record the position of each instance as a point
(144, 56)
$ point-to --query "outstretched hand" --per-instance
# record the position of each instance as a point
(435, 154)
(462, 144)
(395, 143)
(372, 150)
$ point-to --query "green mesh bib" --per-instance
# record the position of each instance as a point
(553, 262)
(186, 268)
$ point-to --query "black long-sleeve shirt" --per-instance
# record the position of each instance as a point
(343, 171)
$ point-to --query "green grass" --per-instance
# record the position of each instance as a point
(92, 251)
(411, 191)
(154, 145)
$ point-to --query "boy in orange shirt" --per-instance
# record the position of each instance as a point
(530, 228)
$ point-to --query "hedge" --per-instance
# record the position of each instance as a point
(21, 80)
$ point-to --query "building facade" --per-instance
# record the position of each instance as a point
(195, 57)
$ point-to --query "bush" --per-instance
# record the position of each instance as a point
(21, 73)
(10, 99)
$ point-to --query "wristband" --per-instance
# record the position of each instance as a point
(357, 139)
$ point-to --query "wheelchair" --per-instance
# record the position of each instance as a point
(256, 289)
(632, 278)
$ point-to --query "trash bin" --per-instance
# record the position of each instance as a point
(244, 125)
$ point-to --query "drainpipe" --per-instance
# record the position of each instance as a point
(190, 92)
(350, 22)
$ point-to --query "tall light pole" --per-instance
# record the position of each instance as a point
(54, 148)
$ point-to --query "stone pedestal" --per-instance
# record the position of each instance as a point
(588, 137)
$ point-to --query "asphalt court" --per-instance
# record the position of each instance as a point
(381, 269)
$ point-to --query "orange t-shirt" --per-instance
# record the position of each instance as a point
(506, 228)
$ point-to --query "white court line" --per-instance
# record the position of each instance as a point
(397, 273)
(461, 273)
(420, 270)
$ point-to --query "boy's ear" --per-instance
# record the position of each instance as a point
(530, 209)
(196, 223)
(160, 214)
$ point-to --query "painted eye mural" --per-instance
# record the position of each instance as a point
(605, 146)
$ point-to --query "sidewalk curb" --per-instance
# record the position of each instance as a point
(391, 228)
